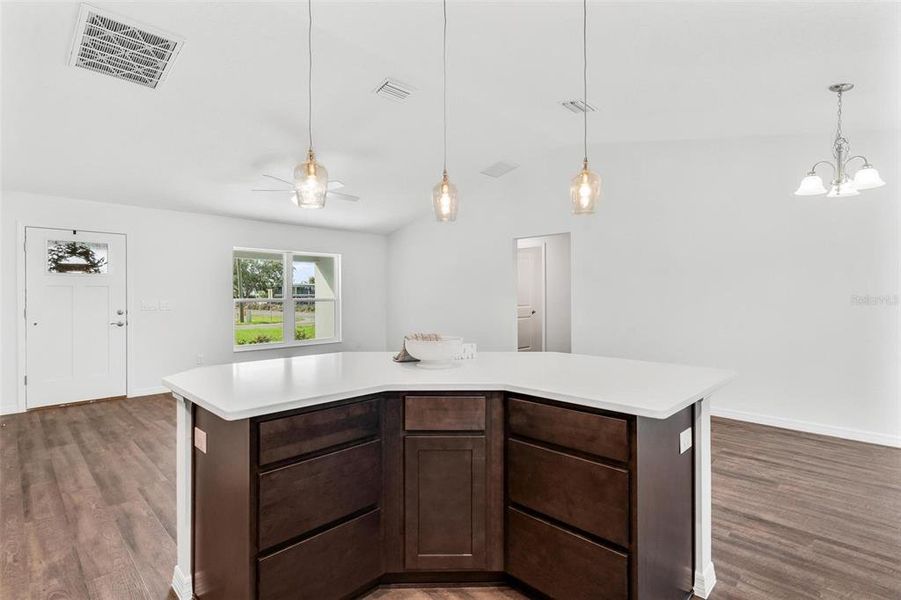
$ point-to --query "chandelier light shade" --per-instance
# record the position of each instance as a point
(812, 185)
(444, 194)
(867, 178)
(843, 184)
(310, 178)
(842, 189)
(585, 187)
(310, 183)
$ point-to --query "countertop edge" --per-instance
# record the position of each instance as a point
(282, 406)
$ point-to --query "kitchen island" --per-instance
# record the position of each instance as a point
(323, 476)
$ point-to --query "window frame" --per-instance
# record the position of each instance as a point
(288, 301)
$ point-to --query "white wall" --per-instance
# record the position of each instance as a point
(186, 258)
(699, 254)
(558, 290)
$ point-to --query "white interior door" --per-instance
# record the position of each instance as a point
(530, 299)
(75, 316)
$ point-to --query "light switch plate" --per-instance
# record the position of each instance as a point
(685, 441)
(200, 439)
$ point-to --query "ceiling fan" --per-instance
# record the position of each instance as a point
(333, 185)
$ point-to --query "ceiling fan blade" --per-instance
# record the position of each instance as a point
(341, 196)
(279, 191)
(291, 183)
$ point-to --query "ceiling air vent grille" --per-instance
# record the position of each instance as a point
(499, 169)
(393, 90)
(577, 106)
(112, 45)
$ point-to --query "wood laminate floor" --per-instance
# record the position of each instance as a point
(87, 510)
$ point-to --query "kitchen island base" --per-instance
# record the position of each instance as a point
(330, 501)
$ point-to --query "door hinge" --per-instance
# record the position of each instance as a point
(26, 380)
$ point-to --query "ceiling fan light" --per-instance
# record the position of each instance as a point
(584, 191)
(867, 178)
(842, 189)
(444, 200)
(310, 183)
(811, 185)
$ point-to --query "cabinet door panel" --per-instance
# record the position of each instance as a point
(308, 432)
(562, 564)
(444, 413)
(306, 495)
(331, 565)
(581, 493)
(445, 500)
(594, 434)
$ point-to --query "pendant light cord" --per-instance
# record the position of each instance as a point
(444, 75)
(310, 72)
(585, 77)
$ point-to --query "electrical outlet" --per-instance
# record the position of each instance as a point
(685, 441)
(200, 439)
(199, 360)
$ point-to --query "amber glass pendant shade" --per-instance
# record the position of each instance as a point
(584, 191)
(444, 200)
(310, 183)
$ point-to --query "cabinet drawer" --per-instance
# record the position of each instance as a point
(332, 564)
(561, 564)
(298, 498)
(587, 432)
(585, 494)
(308, 432)
(444, 413)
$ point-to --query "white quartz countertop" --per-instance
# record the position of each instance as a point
(250, 389)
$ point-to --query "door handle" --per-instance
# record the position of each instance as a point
(118, 323)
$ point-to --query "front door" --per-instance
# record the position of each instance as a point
(75, 316)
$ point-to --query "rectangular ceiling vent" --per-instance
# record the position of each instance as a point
(110, 44)
(394, 90)
(498, 169)
(577, 106)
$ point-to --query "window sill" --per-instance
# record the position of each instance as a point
(283, 345)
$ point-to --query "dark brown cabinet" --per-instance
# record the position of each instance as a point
(326, 502)
(444, 492)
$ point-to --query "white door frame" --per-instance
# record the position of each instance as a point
(21, 349)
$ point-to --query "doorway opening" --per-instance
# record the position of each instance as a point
(75, 336)
(543, 293)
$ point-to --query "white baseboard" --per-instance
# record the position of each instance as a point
(148, 391)
(871, 437)
(705, 579)
(181, 585)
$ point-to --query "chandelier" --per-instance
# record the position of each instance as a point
(842, 184)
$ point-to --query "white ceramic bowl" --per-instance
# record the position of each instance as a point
(435, 353)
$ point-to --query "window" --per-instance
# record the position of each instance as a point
(285, 298)
(65, 256)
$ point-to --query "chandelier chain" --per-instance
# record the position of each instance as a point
(310, 72)
(838, 129)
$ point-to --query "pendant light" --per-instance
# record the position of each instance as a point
(842, 185)
(585, 188)
(444, 195)
(310, 178)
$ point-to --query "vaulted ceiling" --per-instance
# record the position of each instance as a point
(234, 106)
